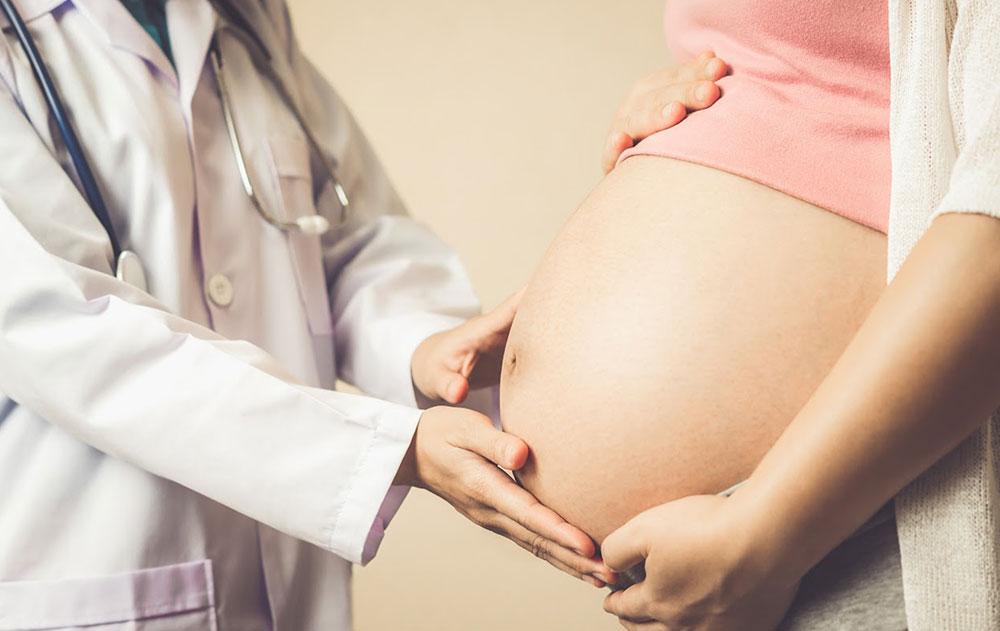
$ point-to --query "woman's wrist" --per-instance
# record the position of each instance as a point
(764, 536)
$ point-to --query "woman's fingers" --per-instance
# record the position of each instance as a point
(662, 109)
(626, 546)
(651, 625)
(704, 67)
(639, 122)
(714, 69)
(690, 96)
(616, 144)
(662, 100)
(632, 603)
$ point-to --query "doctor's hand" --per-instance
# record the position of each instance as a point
(662, 100)
(457, 454)
(448, 364)
(703, 570)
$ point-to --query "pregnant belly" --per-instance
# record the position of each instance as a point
(675, 326)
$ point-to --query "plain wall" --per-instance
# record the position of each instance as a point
(490, 118)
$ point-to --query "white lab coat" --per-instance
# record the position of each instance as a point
(180, 457)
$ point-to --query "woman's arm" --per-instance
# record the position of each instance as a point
(922, 374)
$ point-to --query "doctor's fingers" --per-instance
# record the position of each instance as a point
(559, 556)
(486, 441)
(508, 499)
(499, 319)
(487, 333)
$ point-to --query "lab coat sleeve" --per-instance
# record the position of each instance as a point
(392, 282)
(114, 368)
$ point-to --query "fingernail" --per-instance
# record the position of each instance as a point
(703, 90)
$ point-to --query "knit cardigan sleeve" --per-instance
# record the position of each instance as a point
(974, 100)
(945, 136)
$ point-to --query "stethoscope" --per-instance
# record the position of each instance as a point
(128, 265)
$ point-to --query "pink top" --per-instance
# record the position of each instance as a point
(805, 109)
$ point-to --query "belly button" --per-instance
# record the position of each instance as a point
(510, 362)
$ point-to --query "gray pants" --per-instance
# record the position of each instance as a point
(857, 587)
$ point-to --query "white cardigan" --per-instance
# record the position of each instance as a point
(945, 133)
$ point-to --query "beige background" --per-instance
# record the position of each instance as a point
(490, 117)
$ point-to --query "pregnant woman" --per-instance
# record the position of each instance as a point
(696, 299)
(709, 316)
(698, 296)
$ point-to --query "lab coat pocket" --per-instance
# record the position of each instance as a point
(169, 598)
(293, 180)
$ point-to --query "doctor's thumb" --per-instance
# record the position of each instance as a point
(455, 388)
(515, 452)
(505, 450)
(512, 452)
(441, 383)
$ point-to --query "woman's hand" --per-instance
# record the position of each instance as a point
(457, 454)
(448, 364)
(703, 571)
(662, 100)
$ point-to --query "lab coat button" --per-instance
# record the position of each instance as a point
(220, 290)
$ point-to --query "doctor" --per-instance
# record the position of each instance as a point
(177, 458)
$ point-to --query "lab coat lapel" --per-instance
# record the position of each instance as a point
(191, 24)
(31, 9)
(125, 33)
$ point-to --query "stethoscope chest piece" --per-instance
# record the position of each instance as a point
(129, 270)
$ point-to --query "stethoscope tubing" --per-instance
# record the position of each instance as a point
(91, 190)
(127, 264)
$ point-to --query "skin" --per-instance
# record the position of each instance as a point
(918, 378)
(458, 455)
(661, 100)
(675, 327)
(448, 364)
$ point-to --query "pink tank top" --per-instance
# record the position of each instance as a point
(805, 108)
